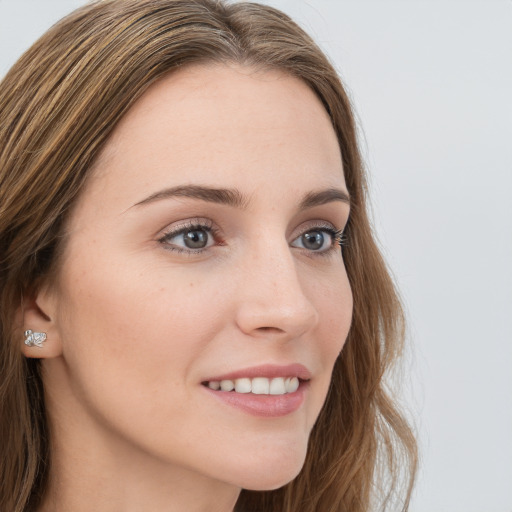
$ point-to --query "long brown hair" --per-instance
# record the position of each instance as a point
(58, 105)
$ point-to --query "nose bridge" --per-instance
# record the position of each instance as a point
(272, 297)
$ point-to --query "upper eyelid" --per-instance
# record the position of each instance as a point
(208, 224)
(315, 224)
(178, 227)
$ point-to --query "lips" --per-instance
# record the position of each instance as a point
(267, 390)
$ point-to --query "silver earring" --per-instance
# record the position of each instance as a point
(34, 339)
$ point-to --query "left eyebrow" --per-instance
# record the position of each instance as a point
(234, 198)
(323, 197)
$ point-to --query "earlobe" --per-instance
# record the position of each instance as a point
(34, 339)
(40, 336)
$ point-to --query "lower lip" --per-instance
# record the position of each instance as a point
(267, 406)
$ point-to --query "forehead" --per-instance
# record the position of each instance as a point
(222, 123)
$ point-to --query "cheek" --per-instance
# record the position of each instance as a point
(129, 330)
(335, 304)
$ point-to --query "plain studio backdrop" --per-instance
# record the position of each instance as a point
(431, 82)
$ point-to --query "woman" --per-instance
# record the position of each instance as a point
(194, 314)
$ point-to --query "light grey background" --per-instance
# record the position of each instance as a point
(431, 82)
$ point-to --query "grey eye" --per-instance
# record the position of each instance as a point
(313, 241)
(318, 240)
(195, 239)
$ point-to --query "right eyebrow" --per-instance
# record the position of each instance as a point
(230, 197)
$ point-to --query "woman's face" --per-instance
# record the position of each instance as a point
(203, 249)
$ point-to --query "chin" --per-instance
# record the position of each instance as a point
(271, 474)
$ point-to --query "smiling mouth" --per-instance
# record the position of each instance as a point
(257, 385)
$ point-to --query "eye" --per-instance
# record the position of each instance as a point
(318, 240)
(192, 238)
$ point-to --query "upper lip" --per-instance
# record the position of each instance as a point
(266, 370)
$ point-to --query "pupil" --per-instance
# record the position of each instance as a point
(196, 239)
(313, 240)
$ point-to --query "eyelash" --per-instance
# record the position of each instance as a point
(190, 226)
(338, 237)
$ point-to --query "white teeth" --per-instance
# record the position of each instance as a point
(291, 384)
(258, 385)
(243, 385)
(277, 386)
(227, 385)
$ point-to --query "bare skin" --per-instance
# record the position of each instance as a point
(143, 315)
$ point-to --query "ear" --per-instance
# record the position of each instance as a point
(38, 314)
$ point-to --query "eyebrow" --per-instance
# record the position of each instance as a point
(229, 197)
(234, 198)
(324, 196)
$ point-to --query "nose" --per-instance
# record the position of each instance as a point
(272, 301)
